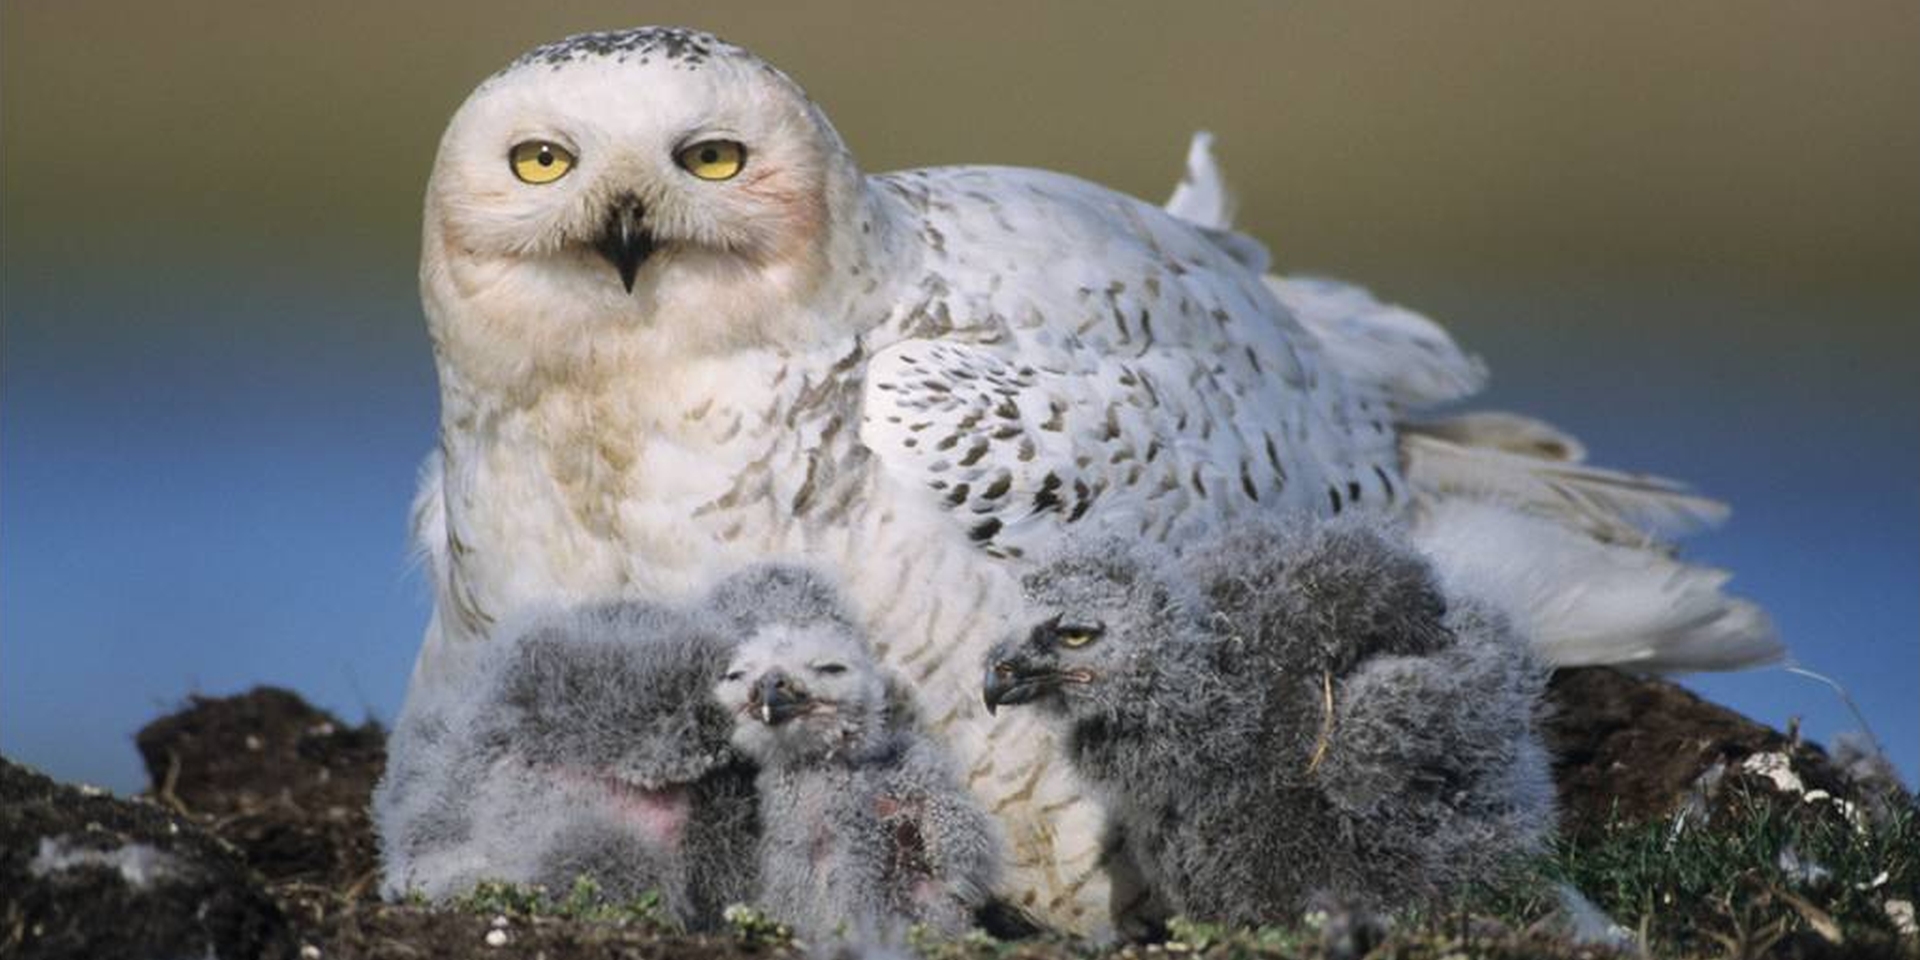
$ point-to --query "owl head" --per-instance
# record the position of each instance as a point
(803, 684)
(1109, 623)
(657, 183)
(803, 693)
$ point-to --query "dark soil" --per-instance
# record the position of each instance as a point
(260, 802)
(285, 783)
(1634, 749)
(64, 891)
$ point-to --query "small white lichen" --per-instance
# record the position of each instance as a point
(1901, 913)
(140, 865)
(1777, 767)
(1586, 923)
(1800, 871)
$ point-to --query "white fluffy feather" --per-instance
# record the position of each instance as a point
(1401, 353)
(1606, 504)
(1585, 602)
(1202, 197)
(1505, 503)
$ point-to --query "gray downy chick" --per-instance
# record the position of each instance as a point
(593, 748)
(1287, 713)
(866, 825)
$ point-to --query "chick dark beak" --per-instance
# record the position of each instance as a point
(777, 698)
(624, 240)
(1011, 681)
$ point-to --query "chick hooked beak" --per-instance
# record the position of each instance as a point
(777, 698)
(1011, 680)
(624, 240)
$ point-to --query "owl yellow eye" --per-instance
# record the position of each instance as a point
(712, 159)
(1077, 635)
(537, 161)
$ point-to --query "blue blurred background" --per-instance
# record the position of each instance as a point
(1691, 234)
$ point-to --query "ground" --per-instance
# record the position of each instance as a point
(1701, 832)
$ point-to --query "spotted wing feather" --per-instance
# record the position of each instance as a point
(1144, 382)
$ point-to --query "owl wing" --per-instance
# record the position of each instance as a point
(1015, 451)
(1087, 360)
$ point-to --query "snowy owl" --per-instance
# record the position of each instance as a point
(678, 330)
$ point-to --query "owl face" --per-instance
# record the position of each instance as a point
(607, 178)
(1102, 607)
(803, 693)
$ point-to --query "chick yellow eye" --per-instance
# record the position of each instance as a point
(712, 159)
(1078, 636)
(538, 161)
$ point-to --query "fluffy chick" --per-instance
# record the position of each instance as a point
(1286, 713)
(866, 824)
(592, 748)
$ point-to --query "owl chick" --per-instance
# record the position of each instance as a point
(865, 823)
(1283, 717)
(594, 748)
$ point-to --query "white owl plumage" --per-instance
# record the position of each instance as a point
(650, 378)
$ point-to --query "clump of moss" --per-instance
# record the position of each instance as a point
(584, 901)
(751, 928)
(1766, 871)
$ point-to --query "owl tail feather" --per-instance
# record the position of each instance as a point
(1504, 504)
(1587, 601)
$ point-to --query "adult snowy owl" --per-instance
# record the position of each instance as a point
(678, 331)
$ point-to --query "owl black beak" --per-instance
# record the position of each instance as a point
(1013, 679)
(624, 240)
(777, 698)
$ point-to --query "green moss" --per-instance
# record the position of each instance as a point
(584, 901)
(754, 929)
(1762, 870)
(1714, 889)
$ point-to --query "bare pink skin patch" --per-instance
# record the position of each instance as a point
(661, 815)
(658, 815)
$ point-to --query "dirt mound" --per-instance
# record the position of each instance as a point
(255, 839)
(84, 874)
(1632, 749)
(285, 782)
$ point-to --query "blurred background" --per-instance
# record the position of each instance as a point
(1688, 232)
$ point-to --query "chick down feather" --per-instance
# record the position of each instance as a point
(1294, 710)
(592, 748)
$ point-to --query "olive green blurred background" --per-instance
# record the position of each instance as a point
(1774, 141)
(1690, 231)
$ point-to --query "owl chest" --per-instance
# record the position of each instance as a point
(818, 836)
(639, 491)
